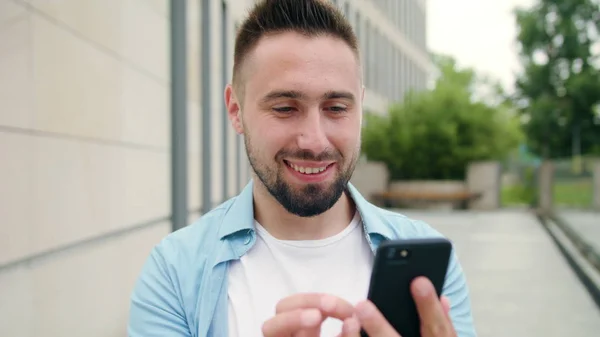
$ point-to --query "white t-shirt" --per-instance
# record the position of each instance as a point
(274, 269)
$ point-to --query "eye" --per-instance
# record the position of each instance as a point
(338, 109)
(283, 109)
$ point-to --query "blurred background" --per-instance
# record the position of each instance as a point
(481, 118)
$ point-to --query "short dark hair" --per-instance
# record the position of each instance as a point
(307, 17)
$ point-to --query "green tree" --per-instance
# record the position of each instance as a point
(558, 91)
(436, 134)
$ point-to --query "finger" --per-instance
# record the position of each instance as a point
(373, 322)
(288, 323)
(446, 306)
(431, 313)
(311, 332)
(330, 306)
(299, 301)
(350, 328)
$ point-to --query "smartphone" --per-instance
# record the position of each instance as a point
(397, 264)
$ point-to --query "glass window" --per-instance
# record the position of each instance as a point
(347, 10)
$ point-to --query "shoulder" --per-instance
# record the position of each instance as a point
(164, 299)
(171, 276)
(191, 244)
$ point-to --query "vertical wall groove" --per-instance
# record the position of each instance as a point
(179, 176)
(224, 80)
(205, 75)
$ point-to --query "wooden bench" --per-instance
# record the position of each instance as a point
(393, 199)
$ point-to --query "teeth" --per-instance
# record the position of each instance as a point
(307, 170)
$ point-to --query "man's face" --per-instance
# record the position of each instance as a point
(301, 118)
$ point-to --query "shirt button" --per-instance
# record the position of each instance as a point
(248, 239)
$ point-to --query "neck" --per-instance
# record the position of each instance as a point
(286, 226)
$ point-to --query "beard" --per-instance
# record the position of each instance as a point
(311, 199)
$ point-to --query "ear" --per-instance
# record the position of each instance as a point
(233, 109)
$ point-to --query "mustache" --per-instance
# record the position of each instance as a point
(327, 155)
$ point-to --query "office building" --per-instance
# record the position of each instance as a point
(392, 35)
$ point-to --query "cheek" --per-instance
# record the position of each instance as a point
(345, 138)
(349, 146)
(268, 140)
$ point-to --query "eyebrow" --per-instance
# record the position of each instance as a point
(292, 94)
(283, 94)
(339, 94)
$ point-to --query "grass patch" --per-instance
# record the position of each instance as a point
(566, 193)
(573, 193)
(517, 195)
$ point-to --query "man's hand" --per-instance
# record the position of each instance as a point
(301, 315)
(434, 315)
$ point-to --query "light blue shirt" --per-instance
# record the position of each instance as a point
(182, 289)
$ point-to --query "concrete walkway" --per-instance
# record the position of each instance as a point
(586, 223)
(520, 283)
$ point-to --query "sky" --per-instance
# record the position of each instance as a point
(479, 33)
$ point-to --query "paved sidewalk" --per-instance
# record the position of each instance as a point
(586, 223)
(520, 283)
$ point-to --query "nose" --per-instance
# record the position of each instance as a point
(311, 133)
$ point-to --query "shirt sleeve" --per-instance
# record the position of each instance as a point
(156, 308)
(455, 288)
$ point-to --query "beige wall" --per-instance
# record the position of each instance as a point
(85, 153)
(79, 292)
(84, 142)
(85, 131)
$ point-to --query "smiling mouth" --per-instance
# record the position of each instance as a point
(307, 170)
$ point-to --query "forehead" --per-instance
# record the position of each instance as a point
(310, 64)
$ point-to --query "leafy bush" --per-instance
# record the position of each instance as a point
(435, 134)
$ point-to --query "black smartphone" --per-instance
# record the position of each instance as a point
(397, 264)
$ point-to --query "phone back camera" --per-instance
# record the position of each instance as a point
(398, 254)
(403, 253)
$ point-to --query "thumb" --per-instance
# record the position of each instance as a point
(446, 306)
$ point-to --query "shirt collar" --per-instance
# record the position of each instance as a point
(239, 217)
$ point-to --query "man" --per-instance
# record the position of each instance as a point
(292, 254)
